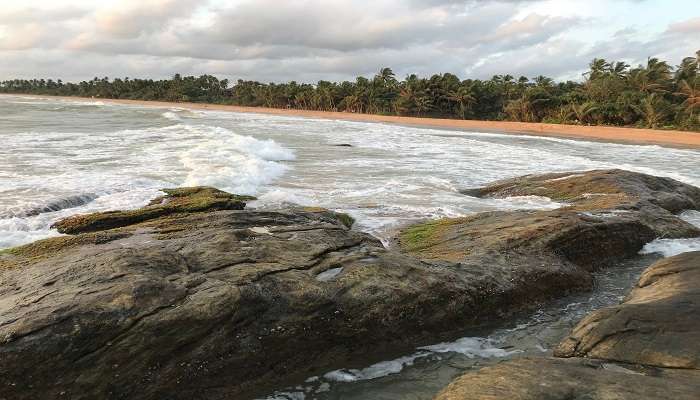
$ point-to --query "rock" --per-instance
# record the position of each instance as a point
(609, 215)
(658, 324)
(196, 297)
(194, 302)
(197, 199)
(342, 145)
(645, 348)
(599, 189)
(610, 193)
(566, 379)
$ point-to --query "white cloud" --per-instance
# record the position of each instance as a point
(308, 40)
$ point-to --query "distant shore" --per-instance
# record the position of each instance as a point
(669, 138)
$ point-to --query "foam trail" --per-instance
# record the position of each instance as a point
(171, 116)
(126, 169)
(235, 163)
(469, 346)
(672, 247)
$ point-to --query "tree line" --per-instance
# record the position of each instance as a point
(655, 95)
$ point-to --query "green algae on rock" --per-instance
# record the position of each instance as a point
(612, 211)
(180, 200)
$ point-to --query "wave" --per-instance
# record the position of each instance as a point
(672, 247)
(171, 116)
(235, 163)
(53, 206)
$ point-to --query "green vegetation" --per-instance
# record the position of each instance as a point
(344, 219)
(655, 95)
(419, 237)
(45, 248)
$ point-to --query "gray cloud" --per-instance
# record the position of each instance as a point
(308, 40)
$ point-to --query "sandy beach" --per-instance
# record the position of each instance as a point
(669, 138)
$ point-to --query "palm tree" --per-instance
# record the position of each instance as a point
(651, 109)
(464, 98)
(598, 67)
(423, 104)
(583, 111)
(691, 92)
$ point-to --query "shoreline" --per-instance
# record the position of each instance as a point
(610, 134)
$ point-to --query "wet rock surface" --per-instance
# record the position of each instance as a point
(645, 348)
(566, 379)
(658, 324)
(607, 216)
(196, 297)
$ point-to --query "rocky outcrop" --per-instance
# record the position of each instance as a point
(645, 348)
(197, 297)
(567, 379)
(182, 200)
(606, 216)
(599, 189)
(185, 301)
(658, 324)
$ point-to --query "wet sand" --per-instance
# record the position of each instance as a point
(668, 138)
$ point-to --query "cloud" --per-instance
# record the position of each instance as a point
(685, 27)
(308, 40)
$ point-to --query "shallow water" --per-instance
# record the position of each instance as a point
(62, 157)
(421, 375)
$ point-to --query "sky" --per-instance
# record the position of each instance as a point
(310, 40)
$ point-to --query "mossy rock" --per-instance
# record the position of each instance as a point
(344, 218)
(425, 235)
(179, 200)
(45, 248)
(589, 191)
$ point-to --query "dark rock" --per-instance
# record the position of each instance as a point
(658, 323)
(567, 379)
(645, 348)
(600, 189)
(608, 216)
(195, 297)
(181, 200)
(213, 304)
(342, 145)
(475, 192)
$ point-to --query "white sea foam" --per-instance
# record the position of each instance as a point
(672, 247)
(691, 216)
(468, 346)
(16, 231)
(236, 163)
(124, 169)
(393, 175)
(171, 116)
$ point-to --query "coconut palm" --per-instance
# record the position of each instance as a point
(651, 109)
(691, 92)
(464, 99)
(581, 112)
